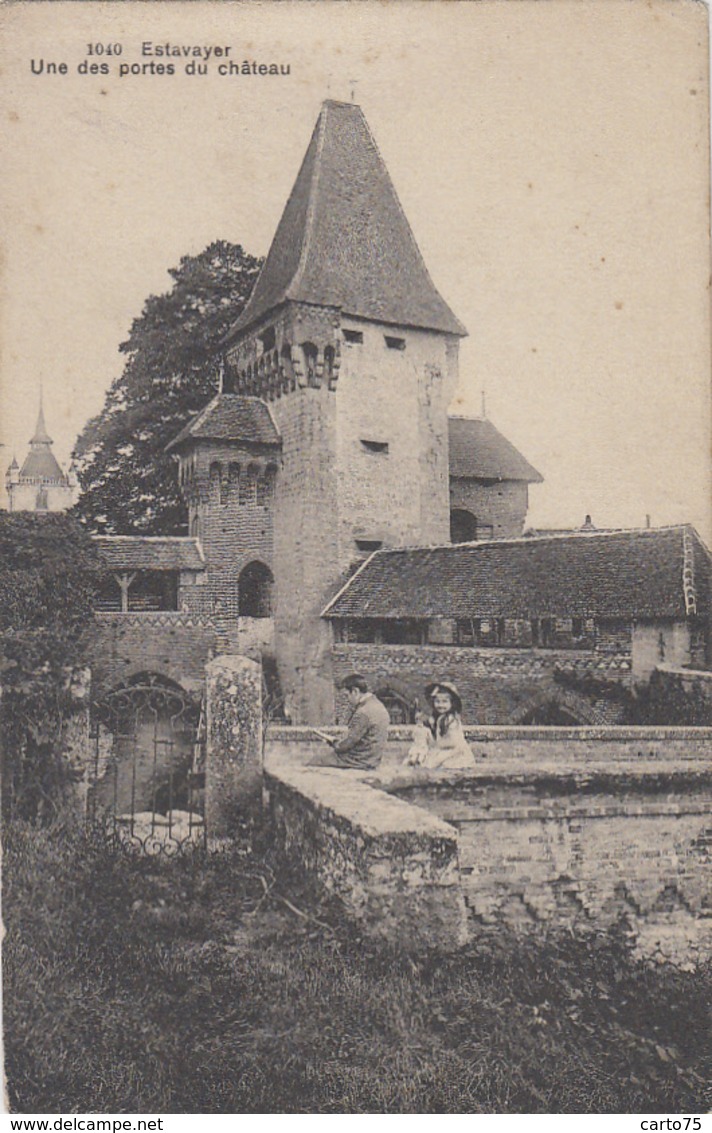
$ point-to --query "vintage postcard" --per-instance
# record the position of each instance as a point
(355, 570)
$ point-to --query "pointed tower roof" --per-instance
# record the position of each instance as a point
(41, 436)
(40, 462)
(344, 241)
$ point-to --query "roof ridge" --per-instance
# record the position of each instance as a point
(311, 205)
(527, 540)
(405, 220)
(688, 573)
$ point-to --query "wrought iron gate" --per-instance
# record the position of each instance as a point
(148, 779)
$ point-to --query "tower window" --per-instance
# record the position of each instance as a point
(374, 446)
(354, 337)
(255, 591)
(394, 343)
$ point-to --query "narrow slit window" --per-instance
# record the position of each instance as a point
(374, 446)
(394, 343)
(353, 336)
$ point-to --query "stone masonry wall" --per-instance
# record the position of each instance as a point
(498, 686)
(694, 682)
(585, 850)
(565, 828)
(305, 549)
(397, 398)
(504, 505)
(393, 866)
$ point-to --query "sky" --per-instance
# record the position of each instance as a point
(552, 157)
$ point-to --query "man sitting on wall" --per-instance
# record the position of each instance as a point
(362, 746)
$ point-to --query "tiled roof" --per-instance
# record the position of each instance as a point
(626, 574)
(150, 552)
(41, 464)
(478, 451)
(231, 417)
(343, 240)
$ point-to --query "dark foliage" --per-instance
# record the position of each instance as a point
(49, 568)
(666, 700)
(663, 700)
(172, 368)
(192, 985)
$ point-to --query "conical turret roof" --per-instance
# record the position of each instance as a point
(344, 241)
(40, 462)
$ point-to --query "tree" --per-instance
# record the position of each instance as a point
(49, 569)
(173, 359)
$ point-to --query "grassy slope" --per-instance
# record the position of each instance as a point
(182, 986)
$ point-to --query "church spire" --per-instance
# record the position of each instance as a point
(344, 241)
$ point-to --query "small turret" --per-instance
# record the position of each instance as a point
(13, 473)
(41, 484)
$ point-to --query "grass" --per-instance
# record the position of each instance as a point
(190, 985)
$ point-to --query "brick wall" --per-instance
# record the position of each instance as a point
(585, 850)
(232, 529)
(504, 505)
(498, 686)
(529, 749)
(175, 645)
(563, 828)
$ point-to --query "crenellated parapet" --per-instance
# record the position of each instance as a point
(298, 348)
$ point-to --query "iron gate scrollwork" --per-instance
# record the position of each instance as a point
(148, 779)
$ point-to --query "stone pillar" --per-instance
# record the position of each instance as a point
(233, 757)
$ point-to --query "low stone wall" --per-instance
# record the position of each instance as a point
(393, 865)
(563, 828)
(582, 849)
(532, 747)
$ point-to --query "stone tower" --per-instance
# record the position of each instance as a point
(347, 339)
(40, 485)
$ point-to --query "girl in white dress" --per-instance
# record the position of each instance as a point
(439, 741)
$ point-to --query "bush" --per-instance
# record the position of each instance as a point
(49, 570)
(189, 985)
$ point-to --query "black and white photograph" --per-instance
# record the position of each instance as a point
(355, 569)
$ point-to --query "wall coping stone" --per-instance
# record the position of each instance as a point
(646, 777)
(691, 674)
(346, 795)
(481, 733)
